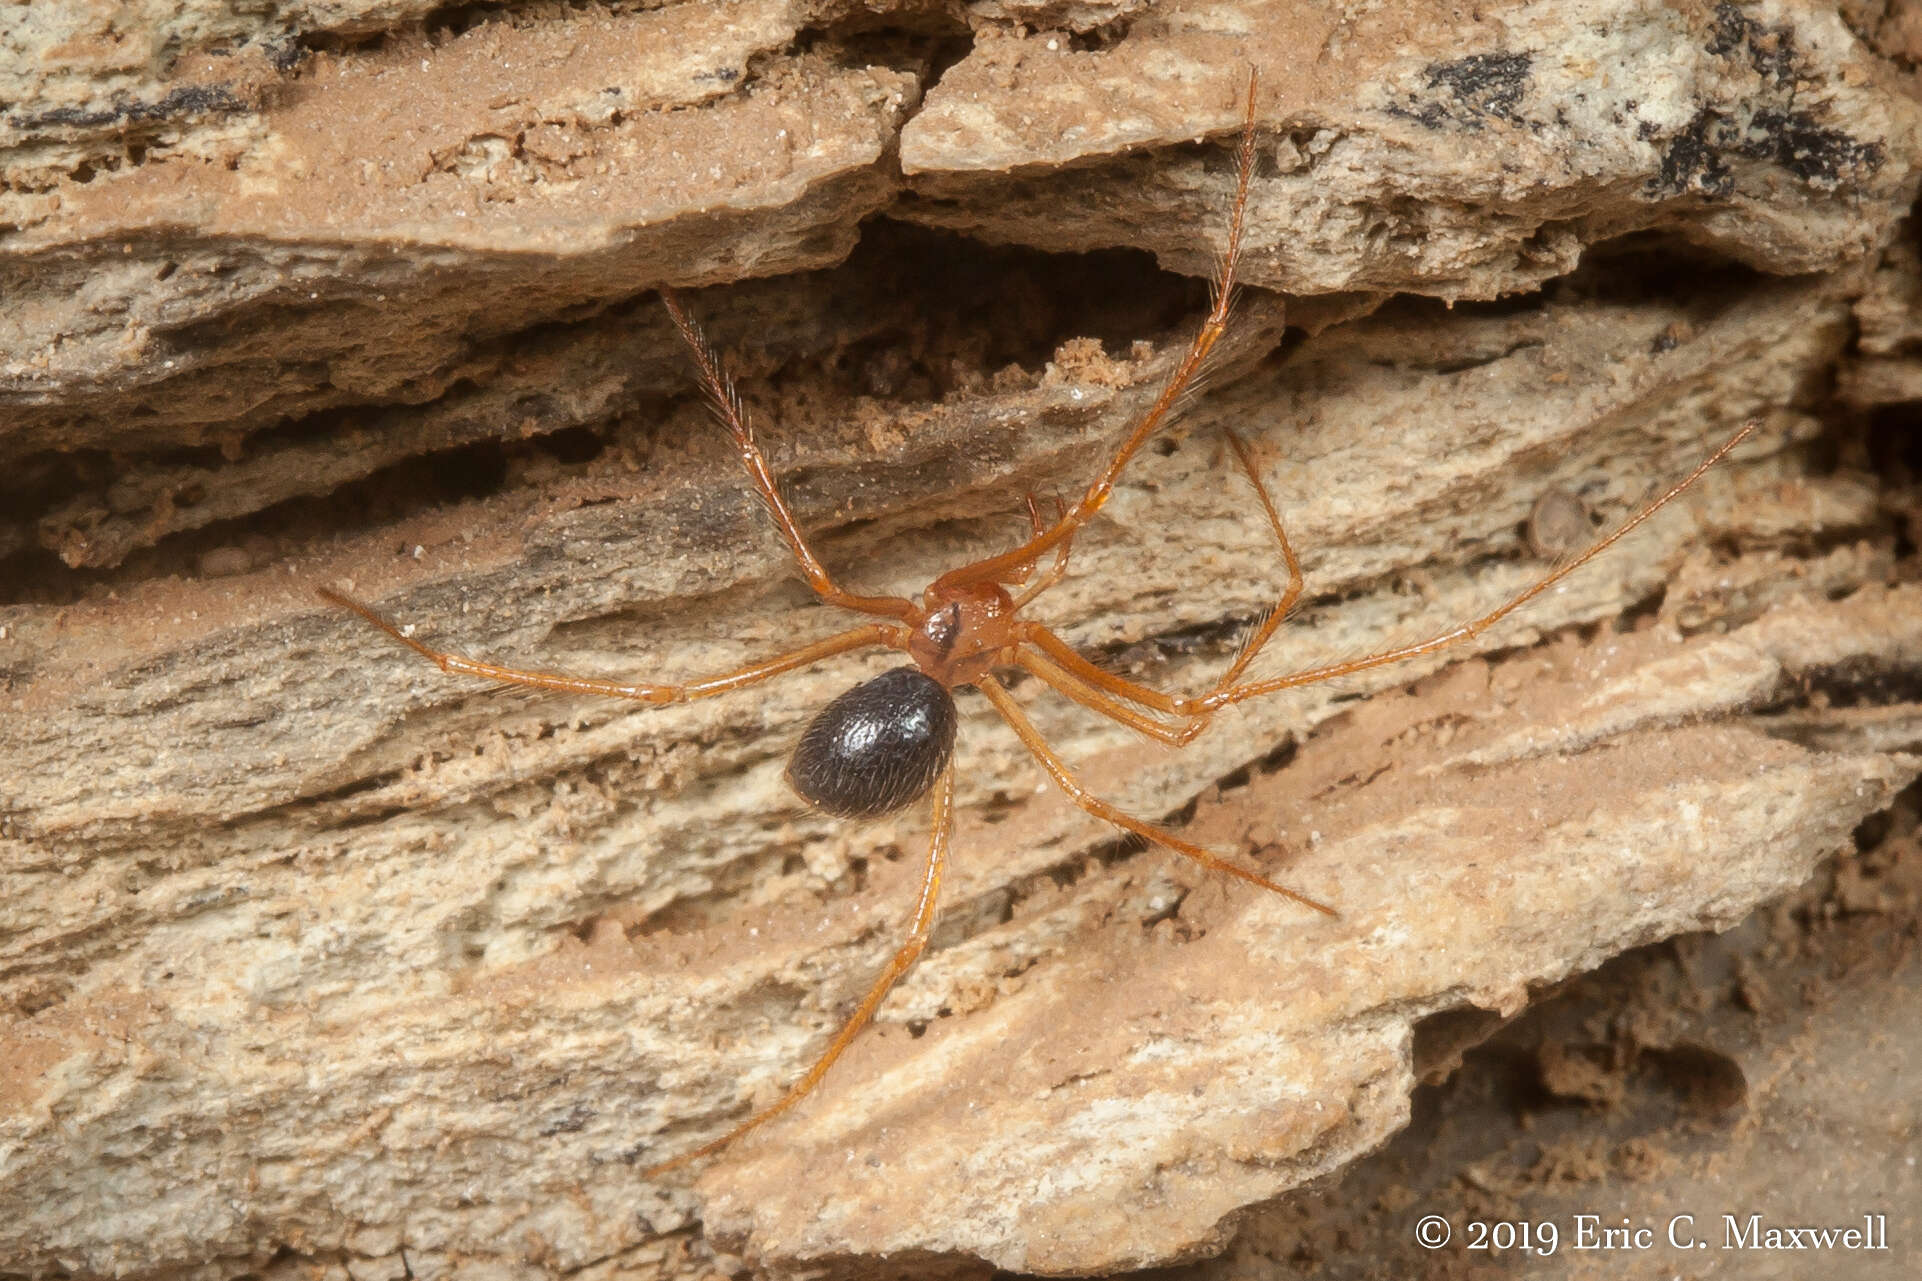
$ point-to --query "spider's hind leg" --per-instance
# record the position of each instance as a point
(903, 960)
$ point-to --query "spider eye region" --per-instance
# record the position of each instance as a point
(943, 629)
(876, 748)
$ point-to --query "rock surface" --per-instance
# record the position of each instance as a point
(314, 958)
(1683, 1090)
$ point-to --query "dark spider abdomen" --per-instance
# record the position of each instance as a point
(877, 747)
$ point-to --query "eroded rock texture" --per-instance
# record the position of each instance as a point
(316, 960)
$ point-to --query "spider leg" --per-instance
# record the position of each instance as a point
(1475, 626)
(727, 407)
(1259, 637)
(1069, 784)
(1082, 674)
(1198, 709)
(1056, 571)
(1096, 681)
(1072, 686)
(998, 568)
(858, 638)
(903, 960)
(1035, 525)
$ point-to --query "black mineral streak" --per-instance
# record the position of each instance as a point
(1798, 143)
(192, 100)
(1782, 133)
(1693, 161)
(1696, 159)
(1770, 50)
(1473, 91)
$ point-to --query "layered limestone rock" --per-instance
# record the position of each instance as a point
(313, 957)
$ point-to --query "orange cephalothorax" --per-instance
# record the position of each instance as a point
(966, 629)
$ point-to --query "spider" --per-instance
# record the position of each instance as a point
(889, 741)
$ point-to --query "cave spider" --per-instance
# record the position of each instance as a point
(889, 741)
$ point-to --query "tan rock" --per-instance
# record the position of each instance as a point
(314, 958)
(1413, 152)
(398, 212)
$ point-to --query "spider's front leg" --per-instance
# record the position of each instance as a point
(727, 407)
(642, 692)
(998, 568)
(1056, 572)
(1227, 693)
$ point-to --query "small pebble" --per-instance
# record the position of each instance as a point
(225, 562)
(1558, 525)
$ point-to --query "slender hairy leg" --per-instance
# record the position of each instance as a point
(1066, 781)
(903, 961)
(1023, 571)
(998, 568)
(1475, 626)
(726, 404)
(1081, 673)
(1259, 637)
(1089, 696)
(860, 637)
(1056, 571)
(1069, 660)
(1197, 709)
